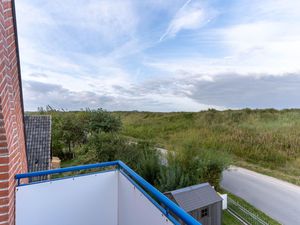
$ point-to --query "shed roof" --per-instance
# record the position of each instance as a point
(38, 142)
(195, 197)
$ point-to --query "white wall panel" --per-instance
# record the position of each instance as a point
(135, 208)
(100, 199)
(84, 200)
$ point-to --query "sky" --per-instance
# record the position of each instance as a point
(159, 55)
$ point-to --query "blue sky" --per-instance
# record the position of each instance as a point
(160, 55)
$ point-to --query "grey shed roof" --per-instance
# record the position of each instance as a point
(38, 142)
(195, 197)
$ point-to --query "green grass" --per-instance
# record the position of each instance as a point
(253, 210)
(286, 173)
(268, 139)
(228, 219)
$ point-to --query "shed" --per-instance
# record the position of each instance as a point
(38, 143)
(201, 201)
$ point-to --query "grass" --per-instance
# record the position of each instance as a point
(228, 219)
(267, 140)
(285, 173)
(253, 210)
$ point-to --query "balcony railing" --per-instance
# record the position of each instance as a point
(166, 207)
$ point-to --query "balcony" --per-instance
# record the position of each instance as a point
(116, 195)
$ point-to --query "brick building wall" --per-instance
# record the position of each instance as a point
(12, 140)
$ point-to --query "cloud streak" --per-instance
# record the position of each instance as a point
(190, 16)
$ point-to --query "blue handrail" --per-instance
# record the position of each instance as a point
(170, 206)
(65, 170)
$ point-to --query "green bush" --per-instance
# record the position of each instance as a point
(172, 177)
(190, 166)
(141, 156)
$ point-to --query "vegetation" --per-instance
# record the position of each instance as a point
(200, 145)
(72, 129)
(192, 165)
(91, 136)
(228, 219)
(268, 140)
(141, 156)
(252, 210)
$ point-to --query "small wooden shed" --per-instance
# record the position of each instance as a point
(201, 201)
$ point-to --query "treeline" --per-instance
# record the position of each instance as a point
(90, 136)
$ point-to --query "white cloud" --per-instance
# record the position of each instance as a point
(190, 16)
(266, 40)
(77, 69)
(92, 74)
(270, 47)
(111, 18)
(263, 39)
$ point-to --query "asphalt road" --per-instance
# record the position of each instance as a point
(278, 199)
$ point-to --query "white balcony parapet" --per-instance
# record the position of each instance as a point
(117, 196)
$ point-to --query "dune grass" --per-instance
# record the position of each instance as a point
(268, 139)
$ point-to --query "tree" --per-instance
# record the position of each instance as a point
(101, 120)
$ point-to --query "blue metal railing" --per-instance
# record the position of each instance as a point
(167, 203)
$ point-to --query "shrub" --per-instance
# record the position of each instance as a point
(172, 177)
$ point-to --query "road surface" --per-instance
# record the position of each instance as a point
(278, 199)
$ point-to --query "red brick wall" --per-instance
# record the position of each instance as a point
(12, 141)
